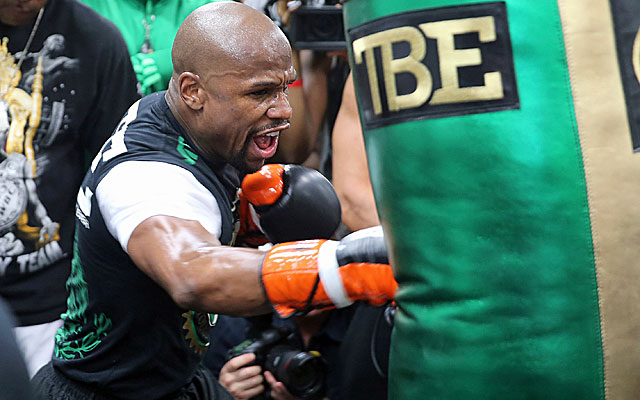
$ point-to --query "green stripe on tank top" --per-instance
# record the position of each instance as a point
(489, 226)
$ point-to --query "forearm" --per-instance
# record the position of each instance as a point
(350, 171)
(196, 271)
(222, 279)
(200, 274)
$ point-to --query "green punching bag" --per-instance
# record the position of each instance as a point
(501, 140)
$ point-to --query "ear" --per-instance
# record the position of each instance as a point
(191, 90)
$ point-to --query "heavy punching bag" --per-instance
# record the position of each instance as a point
(501, 139)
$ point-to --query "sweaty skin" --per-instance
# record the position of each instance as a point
(231, 70)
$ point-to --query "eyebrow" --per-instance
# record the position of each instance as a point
(263, 84)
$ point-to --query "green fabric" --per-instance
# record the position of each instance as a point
(128, 15)
(488, 223)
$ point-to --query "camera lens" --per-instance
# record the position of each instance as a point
(301, 372)
(325, 27)
(303, 369)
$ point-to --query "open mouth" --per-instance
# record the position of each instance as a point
(266, 143)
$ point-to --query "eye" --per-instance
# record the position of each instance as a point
(260, 93)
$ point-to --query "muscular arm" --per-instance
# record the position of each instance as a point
(196, 270)
(350, 171)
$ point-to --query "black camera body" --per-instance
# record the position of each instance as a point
(302, 373)
(317, 28)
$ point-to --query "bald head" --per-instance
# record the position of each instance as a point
(217, 36)
(231, 69)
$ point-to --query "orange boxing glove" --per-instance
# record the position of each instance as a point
(287, 203)
(249, 234)
(262, 188)
(308, 274)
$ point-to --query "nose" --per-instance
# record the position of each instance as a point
(280, 109)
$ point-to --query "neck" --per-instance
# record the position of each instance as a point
(171, 97)
(181, 112)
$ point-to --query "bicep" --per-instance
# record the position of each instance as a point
(135, 190)
(161, 246)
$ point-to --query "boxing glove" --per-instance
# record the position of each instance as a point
(287, 203)
(309, 274)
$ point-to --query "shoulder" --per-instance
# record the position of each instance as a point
(143, 134)
(88, 25)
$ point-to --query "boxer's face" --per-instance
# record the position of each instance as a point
(248, 107)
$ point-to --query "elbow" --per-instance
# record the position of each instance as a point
(349, 218)
(185, 297)
(359, 214)
(189, 294)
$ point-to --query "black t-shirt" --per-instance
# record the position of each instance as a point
(365, 353)
(123, 334)
(87, 85)
(14, 379)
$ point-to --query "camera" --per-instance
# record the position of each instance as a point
(317, 28)
(303, 373)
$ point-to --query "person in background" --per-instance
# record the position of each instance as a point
(350, 170)
(157, 213)
(14, 379)
(365, 346)
(320, 331)
(148, 27)
(65, 81)
(315, 95)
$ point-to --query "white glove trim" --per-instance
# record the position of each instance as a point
(330, 276)
(255, 218)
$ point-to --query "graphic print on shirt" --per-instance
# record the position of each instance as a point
(198, 326)
(29, 124)
(89, 329)
(83, 331)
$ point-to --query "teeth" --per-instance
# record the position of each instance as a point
(272, 134)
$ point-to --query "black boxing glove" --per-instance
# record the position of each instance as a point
(289, 202)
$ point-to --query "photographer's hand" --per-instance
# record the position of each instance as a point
(278, 390)
(241, 381)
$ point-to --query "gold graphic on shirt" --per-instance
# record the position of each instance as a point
(25, 111)
(198, 325)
